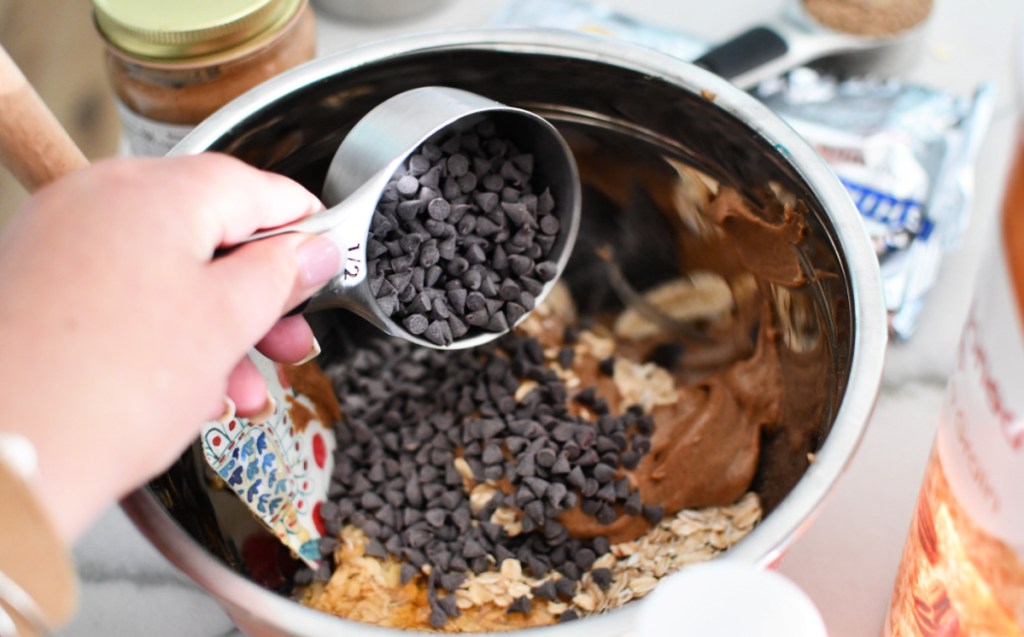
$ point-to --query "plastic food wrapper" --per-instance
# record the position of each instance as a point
(279, 464)
(595, 19)
(905, 152)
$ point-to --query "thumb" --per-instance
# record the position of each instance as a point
(258, 282)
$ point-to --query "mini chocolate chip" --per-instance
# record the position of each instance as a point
(491, 530)
(603, 473)
(591, 507)
(537, 566)
(487, 201)
(492, 182)
(520, 604)
(585, 558)
(458, 165)
(549, 224)
(408, 186)
(589, 458)
(565, 588)
(606, 493)
(570, 570)
(524, 162)
(607, 366)
(375, 549)
(545, 202)
(576, 478)
(303, 577)
(459, 564)
(536, 485)
(439, 209)
(438, 617)
(461, 517)
(497, 323)
(509, 290)
(547, 458)
(406, 572)
(566, 356)
(633, 504)
(607, 514)
(586, 397)
(479, 318)
(452, 145)
(327, 545)
(416, 323)
(388, 304)
(642, 444)
(602, 577)
(654, 513)
(568, 615)
(629, 459)
(371, 501)
(452, 581)
(546, 270)
(457, 327)
(416, 536)
(467, 183)
(546, 590)
(622, 488)
(564, 432)
(435, 517)
(517, 213)
(535, 511)
(438, 333)
(473, 549)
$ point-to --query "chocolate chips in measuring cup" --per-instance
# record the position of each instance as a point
(460, 240)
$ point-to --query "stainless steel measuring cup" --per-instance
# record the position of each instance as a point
(793, 38)
(379, 145)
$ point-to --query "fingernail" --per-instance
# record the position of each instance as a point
(269, 405)
(313, 353)
(319, 261)
(228, 412)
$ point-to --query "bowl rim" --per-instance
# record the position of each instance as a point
(765, 545)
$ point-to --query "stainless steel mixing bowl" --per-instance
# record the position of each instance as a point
(631, 115)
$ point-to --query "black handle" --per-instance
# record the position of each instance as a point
(744, 52)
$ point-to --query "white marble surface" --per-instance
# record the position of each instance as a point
(847, 560)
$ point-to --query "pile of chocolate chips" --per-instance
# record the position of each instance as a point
(410, 411)
(459, 239)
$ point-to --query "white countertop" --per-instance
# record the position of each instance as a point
(847, 559)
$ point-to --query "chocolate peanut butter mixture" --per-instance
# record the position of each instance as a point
(562, 470)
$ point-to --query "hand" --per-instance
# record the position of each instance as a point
(120, 336)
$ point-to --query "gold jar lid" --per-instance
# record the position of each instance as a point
(169, 30)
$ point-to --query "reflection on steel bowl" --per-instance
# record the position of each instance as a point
(718, 257)
(376, 11)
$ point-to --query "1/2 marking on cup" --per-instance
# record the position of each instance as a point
(353, 262)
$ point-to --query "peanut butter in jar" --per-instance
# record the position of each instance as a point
(172, 64)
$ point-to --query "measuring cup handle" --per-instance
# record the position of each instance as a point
(347, 224)
(744, 52)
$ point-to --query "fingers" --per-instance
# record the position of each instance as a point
(247, 389)
(235, 199)
(253, 286)
(289, 341)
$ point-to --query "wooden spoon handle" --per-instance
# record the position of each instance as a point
(33, 144)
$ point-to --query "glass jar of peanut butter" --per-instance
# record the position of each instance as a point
(172, 64)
